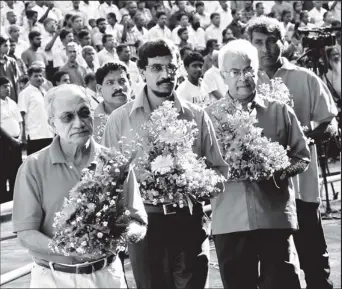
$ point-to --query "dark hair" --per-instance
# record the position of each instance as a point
(159, 14)
(23, 79)
(82, 34)
(234, 11)
(183, 50)
(284, 13)
(112, 15)
(30, 13)
(213, 15)
(34, 69)
(301, 14)
(99, 20)
(265, 25)
(4, 80)
(294, 5)
(3, 40)
(33, 34)
(192, 57)
(181, 31)
(103, 71)
(336, 23)
(199, 4)
(258, 4)
(105, 36)
(156, 6)
(74, 17)
(179, 17)
(121, 47)
(153, 49)
(325, 14)
(66, 18)
(64, 33)
(89, 77)
(57, 77)
(210, 43)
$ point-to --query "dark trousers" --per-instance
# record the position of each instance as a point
(174, 253)
(239, 255)
(311, 246)
(36, 145)
(10, 161)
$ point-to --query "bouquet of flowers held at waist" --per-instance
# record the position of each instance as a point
(249, 155)
(169, 171)
(94, 219)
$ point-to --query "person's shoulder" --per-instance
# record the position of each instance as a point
(36, 161)
(122, 112)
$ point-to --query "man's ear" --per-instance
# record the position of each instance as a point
(51, 122)
(99, 89)
(142, 73)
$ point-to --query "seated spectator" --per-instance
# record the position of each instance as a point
(113, 27)
(287, 25)
(108, 7)
(183, 74)
(158, 7)
(60, 77)
(140, 29)
(214, 31)
(146, 13)
(183, 34)
(131, 37)
(97, 38)
(236, 26)
(197, 33)
(327, 19)
(183, 21)
(46, 85)
(91, 62)
(160, 30)
(210, 47)
(279, 7)
(297, 8)
(76, 10)
(90, 82)
(34, 52)
(247, 13)
(203, 16)
(259, 9)
(193, 89)
(130, 8)
(76, 71)
(84, 38)
(108, 53)
(181, 5)
(316, 13)
(77, 26)
(304, 20)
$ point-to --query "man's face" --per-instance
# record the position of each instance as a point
(64, 79)
(335, 56)
(72, 118)
(5, 90)
(11, 17)
(35, 18)
(162, 20)
(90, 56)
(260, 9)
(200, 9)
(4, 48)
(229, 33)
(132, 8)
(76, 4)
(37, 41)
(248, 4)
(14, 34)
(69, 37)
(86, 40)
(109, 42)
(111, 20)
(306, 18)
(115, 88)
(318, 4)
(13, 45)
(181, 5)
(269, 48)
(217, 20)
(329, 17)
(237, 16)
(78, 23)
(223, 5)
(140, 21)
(125, 54)
(298, 7)
(102, 26)
(239, 75)
(37, 79)
(71, 53)
(51, 26)
(185, 36)
(287, 18)
(161, 80)
(184, 21)
(195, 70)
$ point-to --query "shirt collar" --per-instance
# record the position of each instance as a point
(256, 101)
(141, 101)
(57, 156)
(75, 64)
(287, 64)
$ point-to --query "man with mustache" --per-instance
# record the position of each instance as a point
(175, 251)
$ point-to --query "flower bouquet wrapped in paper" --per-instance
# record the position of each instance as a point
(169, 172)
(249, 155)
(94, 219)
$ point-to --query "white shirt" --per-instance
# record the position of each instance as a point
(211, 6)
(317, 16)
(10, 117)
(204, 20)
(226, 17)
(105, 56)
(175, 38)
(116, 31)
(336, 12)
(54, 13)
(214, 81)
(213, 32)
(91, 9)
(104, 9)
(135, 77)
(157, 32)
(143, 35)
(31, 101)
(197, 38)
(57, 46)
(192, 93)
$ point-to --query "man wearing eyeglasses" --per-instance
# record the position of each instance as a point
(43, 182)
(253, 221)
(175, 251)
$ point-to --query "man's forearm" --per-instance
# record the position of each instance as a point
(49, 46)
(5, 136)
(323, 132)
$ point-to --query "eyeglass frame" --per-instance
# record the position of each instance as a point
(226, 73)
(74, 115)
(168, 67)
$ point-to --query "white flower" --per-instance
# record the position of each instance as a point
(127, 212)
(105, 224)
(162, 164)
(84, 243)
(99, 235)
(98, 214)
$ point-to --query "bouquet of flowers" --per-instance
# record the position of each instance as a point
(94, 219)
(169, 172)
(249, 154)
(100, 129)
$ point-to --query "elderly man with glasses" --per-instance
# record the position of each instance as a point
(46, 178)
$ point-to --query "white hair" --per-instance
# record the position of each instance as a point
(86, 49)
(53, 93)
(72, 44)
(239, 47)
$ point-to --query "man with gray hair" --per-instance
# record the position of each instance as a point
(75, 70)
(253, 221)
(46, 178)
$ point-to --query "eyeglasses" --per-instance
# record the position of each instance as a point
(157, 68)
(68, 117)
(234, 73)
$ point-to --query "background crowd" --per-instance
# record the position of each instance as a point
(48, 43)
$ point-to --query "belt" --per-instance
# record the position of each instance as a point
(164, 209)
(84, 268)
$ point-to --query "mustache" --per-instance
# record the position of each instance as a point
(118, 92)
(166, 80)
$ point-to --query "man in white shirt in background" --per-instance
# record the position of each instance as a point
(160, 30)
(90, 82)
(31, 105)
(335, 8)
(203, 16)
(212, 7)
(113, 27)
(214, 31)
(225, 13)
(197, 33)
(107, 7)
(193, 89)
(108, 53)
(101, 25)
(214, 81)
(21, 44)
(183, 21)
(305, 20)
(316, 13)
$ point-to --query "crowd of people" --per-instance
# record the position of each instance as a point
(118, 61)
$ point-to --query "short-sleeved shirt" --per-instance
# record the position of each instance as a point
(213, 32)
(9, 68)
(44, 180)
(246, 205)
(193, 93)
(76, 73)
(105, 56)
(10, 117)
(214, 81)
(31, 101)
(313, 103)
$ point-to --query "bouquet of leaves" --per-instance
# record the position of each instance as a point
(168, 171)
(249, 154)
(94, 219)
